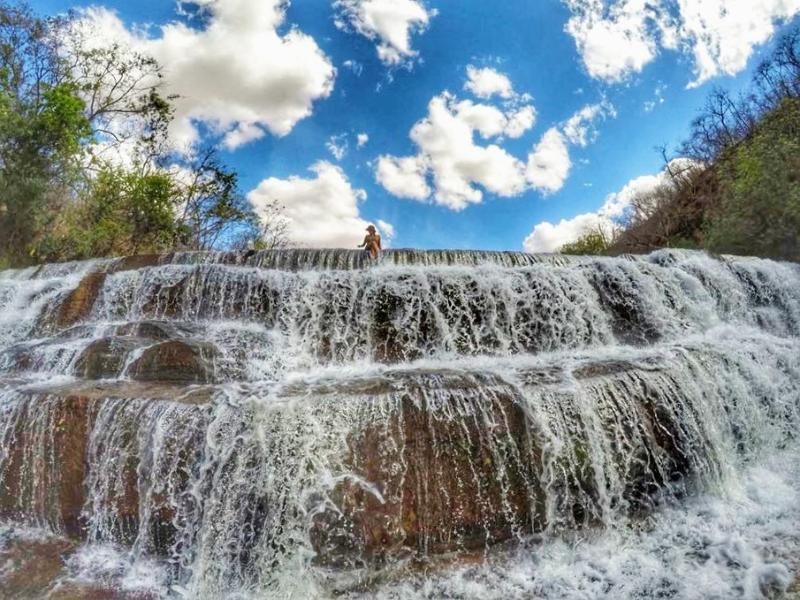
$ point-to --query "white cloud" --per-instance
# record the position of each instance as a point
(237, 75)
(337, 145)
(487, 82)
(617, 38)
(389, 23)
(322, 211)
(386, 230)
(489, 121)
(613, 40)
(549, 163)
(449, 154)
(580, 129)
(403, 177)
(361, 140)
(452, 170)
(721, 34)
(520, 121)
(549, 237)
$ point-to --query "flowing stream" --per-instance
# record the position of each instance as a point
(309, 424)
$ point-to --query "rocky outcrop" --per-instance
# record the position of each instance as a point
(31, 566)
(460, 463)
(139, 261)
(432, 479)
(77, 305)
(36, 568)
(45, 466)
(58, 437)
(105, 358)
(141, 359)
(175, 362)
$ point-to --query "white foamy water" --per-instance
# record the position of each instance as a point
(741, 543)
(439, 425)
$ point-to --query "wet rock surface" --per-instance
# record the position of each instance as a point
(429, 482)
(175, 362)
(99, 391)
(51, 463)
(28, 568)
(45, 466)
(105, 358)
(234, 417)
(77, 305)
(134, 263)
(36, 568)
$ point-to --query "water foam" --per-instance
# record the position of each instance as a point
(641, 402)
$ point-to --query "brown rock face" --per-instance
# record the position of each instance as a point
(132, 263)
(631, 321)
(36, 569)
(79, 302)
(46, 477)
(31, 566)
(45, 468)
(104, 358)
(87, 591)
(153, 330)
(175, 362)
(182, 361)
(459, 462)
(167, 300)
(434, 479)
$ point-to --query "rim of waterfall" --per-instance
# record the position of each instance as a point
(311, 423)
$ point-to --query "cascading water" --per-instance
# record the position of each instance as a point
(441, 424)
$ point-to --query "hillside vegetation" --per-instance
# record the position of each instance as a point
(737, 189)
(87, 168)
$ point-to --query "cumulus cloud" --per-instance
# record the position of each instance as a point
(239, 74)
(721, 34)
(490, 121)
(549, 163)
(613, 40)
(389, 23)
(549, 237)
(449, 155)
(321, 211)
(404, 177)
(451, 168)
(617, 38)
(361, 140)
(520, 121)
(487, 82)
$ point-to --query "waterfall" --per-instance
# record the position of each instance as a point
(307, 423)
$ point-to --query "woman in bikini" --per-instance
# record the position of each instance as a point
(372, 243)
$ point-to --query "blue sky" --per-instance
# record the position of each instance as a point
(642, 72)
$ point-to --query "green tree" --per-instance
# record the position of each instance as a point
(594, 241)
(759, 209)
(60, 104)
(86, 164)
(211, 208)
(42, 127)
(123, 213)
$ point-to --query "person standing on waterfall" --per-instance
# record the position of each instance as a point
(372, 243)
